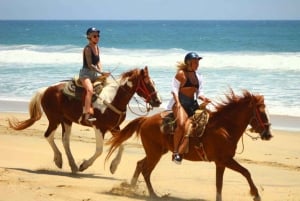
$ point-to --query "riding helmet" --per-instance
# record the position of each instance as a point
(191, 55)
(91, 30)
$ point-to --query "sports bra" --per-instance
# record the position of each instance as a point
(95, 58)
(189, 83)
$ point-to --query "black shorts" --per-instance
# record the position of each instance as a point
(189, 104)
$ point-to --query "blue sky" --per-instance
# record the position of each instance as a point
(150, 9)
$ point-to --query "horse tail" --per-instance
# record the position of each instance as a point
(35, 112)
(116, 140)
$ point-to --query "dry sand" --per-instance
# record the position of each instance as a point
(27, 170)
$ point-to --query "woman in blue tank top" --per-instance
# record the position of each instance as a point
(89, 72)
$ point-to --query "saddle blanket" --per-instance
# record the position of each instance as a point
(196, 128)
(74, 89)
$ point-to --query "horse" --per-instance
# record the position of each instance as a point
(109, 111)
(225, 126)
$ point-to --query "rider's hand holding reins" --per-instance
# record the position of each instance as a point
(95, 68)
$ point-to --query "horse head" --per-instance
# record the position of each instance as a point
(260, 120)
(146, 88)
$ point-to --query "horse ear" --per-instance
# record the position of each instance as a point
(257, 100)
(260, 99)
(145, 71)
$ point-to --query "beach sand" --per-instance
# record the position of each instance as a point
(27, 170)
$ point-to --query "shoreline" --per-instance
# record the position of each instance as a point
(279, 122)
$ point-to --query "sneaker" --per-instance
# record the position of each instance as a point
(91, 118)
(177, 158)
(88, 119)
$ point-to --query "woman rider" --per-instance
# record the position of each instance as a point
(89, 72)
(186, 88)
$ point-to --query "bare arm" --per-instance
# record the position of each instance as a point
(88, 57)
(177, 82)
(98, 67)
(204, 99)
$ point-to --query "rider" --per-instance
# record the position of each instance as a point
(89, 72)
(187, 86)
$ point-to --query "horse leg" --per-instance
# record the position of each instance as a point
(49, 135)
(232, 164)
(99, 149)
(137, 172)
(146, 166)
(66, 142)
(116, 161)
(141, 166)
(219, 181)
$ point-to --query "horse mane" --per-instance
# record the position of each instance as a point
(232, 99)
(224, 107)
(229, 103)
(134, 72)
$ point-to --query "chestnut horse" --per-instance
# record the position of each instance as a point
(109, 110)
(219, 141)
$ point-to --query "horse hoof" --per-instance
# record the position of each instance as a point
(74, 169)
(83, 166)
(112, 168)
(257, 198)
(153, 196)
(58, 163)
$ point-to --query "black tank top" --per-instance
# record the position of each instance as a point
(95, 58)
(189, 83)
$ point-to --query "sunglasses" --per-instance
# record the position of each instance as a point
(96, 36)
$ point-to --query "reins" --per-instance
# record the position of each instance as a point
(260, 122)
(243, 146)
(252, 137)
(140, 86)
(133, 112)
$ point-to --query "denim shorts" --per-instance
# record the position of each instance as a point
(189, 104)
(87, 73)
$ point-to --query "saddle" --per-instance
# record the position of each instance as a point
(196, 127)
(74, 88)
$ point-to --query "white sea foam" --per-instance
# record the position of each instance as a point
(161, 58)
(280, 87)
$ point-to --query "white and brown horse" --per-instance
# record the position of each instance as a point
(109, 110)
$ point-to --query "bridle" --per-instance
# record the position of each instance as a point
(142, 89)
(256, 117)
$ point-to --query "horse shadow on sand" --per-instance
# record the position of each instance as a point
(61, 173)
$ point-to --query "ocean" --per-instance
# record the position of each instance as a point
(260, 56)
